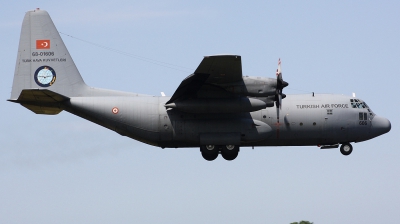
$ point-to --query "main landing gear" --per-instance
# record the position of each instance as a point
(346, 149)
(228, 152)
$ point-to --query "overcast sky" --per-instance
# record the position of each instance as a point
(63, 169)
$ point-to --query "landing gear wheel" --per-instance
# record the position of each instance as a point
(229, 152)
(209, 156)
(346, 149)
(209, 152)
(209, 147)
(229, 157)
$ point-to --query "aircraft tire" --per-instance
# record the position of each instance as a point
(229, 149)
(209, 152)
(209, 149)
(229, 152)
(346, 149)
(209, 156)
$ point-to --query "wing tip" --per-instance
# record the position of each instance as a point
(222, 55)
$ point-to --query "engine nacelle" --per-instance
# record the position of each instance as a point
(253, 86)
(218, 105)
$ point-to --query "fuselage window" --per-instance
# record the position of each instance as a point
(329, 112)
(362, 116)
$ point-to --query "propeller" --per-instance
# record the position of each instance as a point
(280, 84)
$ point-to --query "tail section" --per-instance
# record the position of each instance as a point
(43, 61)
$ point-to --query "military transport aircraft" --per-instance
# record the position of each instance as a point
(215, 108)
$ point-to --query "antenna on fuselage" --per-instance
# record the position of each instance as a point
(354, 95)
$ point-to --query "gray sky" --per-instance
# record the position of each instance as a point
(63, 169)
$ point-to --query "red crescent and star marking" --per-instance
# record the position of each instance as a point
(42, 44)
(115, 110)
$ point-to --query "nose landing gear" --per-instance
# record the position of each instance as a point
(346, 149)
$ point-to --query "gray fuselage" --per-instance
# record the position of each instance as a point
(322, 119)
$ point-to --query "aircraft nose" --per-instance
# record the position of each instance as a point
(380, 126)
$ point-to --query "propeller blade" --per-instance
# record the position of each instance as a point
(278, 98)
(280, 84)
(277, 111)
(279, 73)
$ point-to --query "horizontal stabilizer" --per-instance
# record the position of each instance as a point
(41, 101)
(39, 95)
(42, 109)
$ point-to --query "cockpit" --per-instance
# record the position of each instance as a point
(357, 103)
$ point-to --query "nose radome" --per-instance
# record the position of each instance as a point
(380, 126)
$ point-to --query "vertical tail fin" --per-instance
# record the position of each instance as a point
(43, 61)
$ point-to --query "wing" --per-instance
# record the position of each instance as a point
(221, 68)
(213, 70)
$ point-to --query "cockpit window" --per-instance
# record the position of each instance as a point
(356, 103)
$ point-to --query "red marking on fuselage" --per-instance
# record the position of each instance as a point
(115, 110)
(277, 124)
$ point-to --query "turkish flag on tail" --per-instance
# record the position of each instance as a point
(42, 44)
